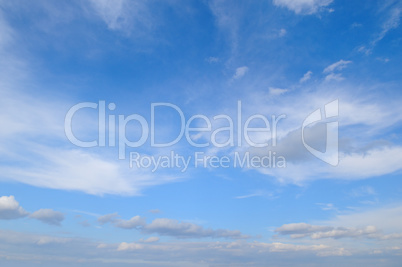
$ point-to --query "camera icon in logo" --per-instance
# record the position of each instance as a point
(330, 112)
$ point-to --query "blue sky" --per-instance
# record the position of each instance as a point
(63, 204)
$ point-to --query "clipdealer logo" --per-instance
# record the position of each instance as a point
(238, 131)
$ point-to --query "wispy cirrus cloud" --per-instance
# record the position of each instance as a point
(304, 7)
(337, 66)
(306, 77)
(392, 20)
(123, 15)
(277, 91)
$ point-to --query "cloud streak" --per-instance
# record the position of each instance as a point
(303, 7)
(169, 227)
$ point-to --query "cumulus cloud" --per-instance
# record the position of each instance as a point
(114, 218)
(306, 7)
(48, 216)
(108, 218)
(10, 208)
(132, 223)
(240, 72)
(129, 246)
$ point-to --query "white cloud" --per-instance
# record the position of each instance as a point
(10, 208)
(169, 227)
(277, 91)
(122, 14)
(249, 195)
(111, 12)
(392, 22)
(327, 206)
(301, 230)
(355, 162)
(373, 216)
(303, 6)
(363, 191)
(238, 248)
(151, 239)
(48, 216)
(306, 76)
(352, 166)
(334, 77)
(132, 223)
(75, 170)
(374, 162)
(342, 232)
(64, 166)
(240, 72)
(282, 32)
(227, 19)
(337, 66)
(212, 59)
(83, 252)
(155, 211)
(129, 246)
(6, 33)
(362, 224)
(114, 218)
(108, 218)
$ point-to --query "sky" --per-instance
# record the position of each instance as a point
(200, 133)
